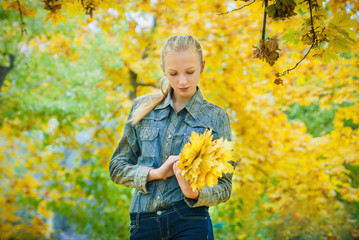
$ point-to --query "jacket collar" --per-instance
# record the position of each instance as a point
(193, 106)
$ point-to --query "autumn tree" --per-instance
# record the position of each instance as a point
(78, 64)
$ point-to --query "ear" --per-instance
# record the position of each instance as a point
(202, 65)
(163, 70)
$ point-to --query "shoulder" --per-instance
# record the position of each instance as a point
(219, 119)
(213, 110)
(145, 98)
(214, 117)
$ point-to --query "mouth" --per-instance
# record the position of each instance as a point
(184, 89)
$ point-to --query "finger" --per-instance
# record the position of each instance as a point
(170, 160)
(175, 168)
(174, 160)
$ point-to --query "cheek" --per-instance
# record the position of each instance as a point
(172, 80)
(195, 77)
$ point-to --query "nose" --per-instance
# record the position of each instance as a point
(182, 80)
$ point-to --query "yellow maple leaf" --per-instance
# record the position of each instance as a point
(55, 17)
(202, 161)
(73, 8)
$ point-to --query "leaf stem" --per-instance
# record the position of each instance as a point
(236, 9)
(23, 30)
(264, 19)
(311, 22)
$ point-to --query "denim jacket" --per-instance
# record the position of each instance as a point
(161, 133)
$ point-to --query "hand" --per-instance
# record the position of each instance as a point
(166, 169)
(184, 184)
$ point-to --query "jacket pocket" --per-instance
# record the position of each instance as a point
(199, 127)
(149, 138)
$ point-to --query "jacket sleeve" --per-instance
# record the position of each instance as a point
(211, 196)
(123, 166)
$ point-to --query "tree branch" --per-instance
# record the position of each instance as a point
(4, 70)
(23, 30)
(237, 8)
(311, 22)
(264, 20)
(146, 84)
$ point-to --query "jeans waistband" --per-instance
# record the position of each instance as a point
(172, 206)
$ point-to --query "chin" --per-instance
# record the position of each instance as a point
(186, 93)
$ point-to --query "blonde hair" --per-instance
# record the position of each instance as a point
(173, 44)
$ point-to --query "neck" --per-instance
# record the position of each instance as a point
(178, 101)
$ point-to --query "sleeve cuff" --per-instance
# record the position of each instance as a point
(202, 200)
(141, 179)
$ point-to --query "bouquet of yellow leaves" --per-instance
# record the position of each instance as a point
(203, 161)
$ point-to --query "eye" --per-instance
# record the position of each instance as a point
(173, 74)
(190, 72)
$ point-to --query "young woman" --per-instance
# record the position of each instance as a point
(146, 158)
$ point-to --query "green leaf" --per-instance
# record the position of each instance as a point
(345, 34)
(328, 56)
(291, 36)
(271, 10)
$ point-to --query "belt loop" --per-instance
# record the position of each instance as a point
(138, 218)
(174, 207)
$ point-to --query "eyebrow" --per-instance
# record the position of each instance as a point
(186, 69)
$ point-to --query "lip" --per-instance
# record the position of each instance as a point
(184, 89)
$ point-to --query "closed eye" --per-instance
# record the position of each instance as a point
(174, 74)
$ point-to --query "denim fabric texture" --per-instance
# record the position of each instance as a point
(163, 132)
(176, 221)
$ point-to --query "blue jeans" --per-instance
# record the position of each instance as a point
(175, 221)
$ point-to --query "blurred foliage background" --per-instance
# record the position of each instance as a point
(69, 76)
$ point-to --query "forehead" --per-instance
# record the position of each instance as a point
(181, 59)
